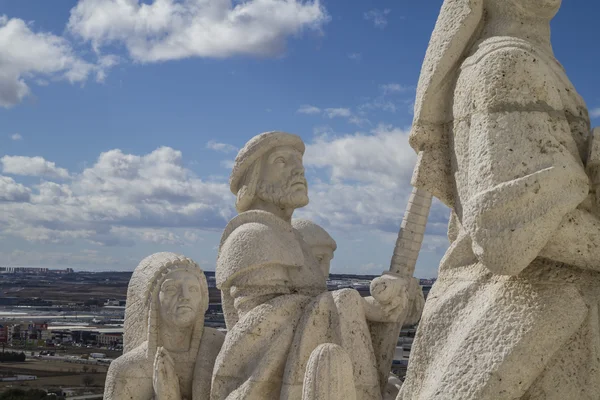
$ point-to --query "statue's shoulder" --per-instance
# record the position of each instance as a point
(132, 364)
(505, 73)
(505, 64)
(213, 336)
(255, 238)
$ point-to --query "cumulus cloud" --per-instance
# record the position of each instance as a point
(121, 199)
(378, 17)
(595, 112)
(13, 191)
(221, 147)
(32, 166)
(381, 156)
(16, 136)
(163, 30)
(359, 186)
(36, 56)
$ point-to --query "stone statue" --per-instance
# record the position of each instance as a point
(502, 138)
(323, 246)
(168, 353)
(274, 294)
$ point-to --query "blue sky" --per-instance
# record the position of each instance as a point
(120, 120)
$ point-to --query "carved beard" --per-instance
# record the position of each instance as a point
(283, 196)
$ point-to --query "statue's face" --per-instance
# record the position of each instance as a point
(282, 180)
(324, 255)
(180, 299)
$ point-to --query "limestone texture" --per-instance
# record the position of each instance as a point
(503, 139)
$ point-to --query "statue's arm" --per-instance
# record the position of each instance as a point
(576, 241)
(524, 173)
(122, 382)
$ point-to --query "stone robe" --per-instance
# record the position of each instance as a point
(501, 322)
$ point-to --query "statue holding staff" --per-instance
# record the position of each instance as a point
(502, 139)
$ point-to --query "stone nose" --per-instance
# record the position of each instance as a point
(184, 293)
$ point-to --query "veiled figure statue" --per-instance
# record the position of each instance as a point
(502, 139)
(168, 353)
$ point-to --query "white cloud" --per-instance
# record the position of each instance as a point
(383, 156)
(366, 184)
(378, 17)
(168, 30)
(13, 191)
(16, 136)
(32, 166)
(120, 200)
(595, 112)
(221, 147)
(308, 109)
(390, 88)
(28, 55)
(338, 112)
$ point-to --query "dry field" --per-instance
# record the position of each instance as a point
(53, 374)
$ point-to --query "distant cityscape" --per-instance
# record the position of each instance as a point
(64, 316)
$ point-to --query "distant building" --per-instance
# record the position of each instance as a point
(23, 270)
(34, 270)
(3, 334)
(109, 339)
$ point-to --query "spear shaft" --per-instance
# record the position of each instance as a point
(404, 260)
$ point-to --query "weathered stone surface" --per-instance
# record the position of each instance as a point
(279, 315)
(503, 139)
(168, 353)
(320, 383)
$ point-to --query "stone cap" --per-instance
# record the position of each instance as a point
(255, 148)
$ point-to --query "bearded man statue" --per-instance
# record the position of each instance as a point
(287, 336)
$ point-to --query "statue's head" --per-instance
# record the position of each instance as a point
(181, 298)
(270, 168)
(166, 290)
(321, 243)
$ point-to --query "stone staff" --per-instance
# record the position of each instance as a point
(593, 167)
(406, 251)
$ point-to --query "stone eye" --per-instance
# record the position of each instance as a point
(279, 160)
